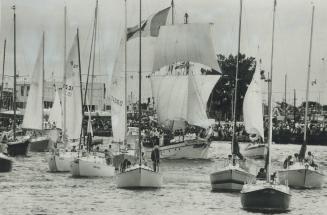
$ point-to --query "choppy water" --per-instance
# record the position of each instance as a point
(30, 189)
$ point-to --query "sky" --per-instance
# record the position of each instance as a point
(291, 50)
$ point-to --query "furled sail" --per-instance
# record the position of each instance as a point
(72, 92)
(252, 107)
(183, 43)
(117, 91)
(55, 116)
(33, 117)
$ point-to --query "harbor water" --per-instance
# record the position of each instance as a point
(31, 189)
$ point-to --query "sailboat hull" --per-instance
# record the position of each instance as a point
(5, 163)
(139, 177)
(61, 163)
(18, 148)
(39, 144)
(91, 167)
(270, 198)
(255, 151)
(230, 179)
(189, 149)
(302, 177)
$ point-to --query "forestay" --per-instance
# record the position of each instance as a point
(33, 117)
(252, 107)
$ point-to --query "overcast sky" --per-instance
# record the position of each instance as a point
(293, 19)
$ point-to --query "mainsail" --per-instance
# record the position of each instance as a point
(33, 117)
(252, 107)
(72, 92)
(184, 96)
(117, 91)
(55, 116)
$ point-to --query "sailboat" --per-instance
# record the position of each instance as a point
(92, 164)
(253, 118)
(139, 175)
(55, 115)
(16, 145)
(180, 90)
(60, 160)
(301, 174)
(233, 176)
(267, 195)
(33, 117)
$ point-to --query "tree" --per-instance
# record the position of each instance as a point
(221, 98)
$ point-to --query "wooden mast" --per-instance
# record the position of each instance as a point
(236, 80)
(3, 72)
(140, 84)
(270, 94)
(308, 81)
(14, 93)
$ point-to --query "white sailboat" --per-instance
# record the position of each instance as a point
(91, 164)
(60, 160)
(33, 116)
(267, 195)
(253, 118)
(139, 175)
(233, 176)
(301, 174)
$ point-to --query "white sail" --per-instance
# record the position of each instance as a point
(252, 107)
(33, 117)
(72, 92)
(55, 116)
(182, 43)
(117, 91)
(183, 97)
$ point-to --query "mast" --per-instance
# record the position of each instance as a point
(285, 91)
(140, 84)
(14, 96)
(42, 100)
(308, 80)
(172, 12)
(81, 88)
(270, 94)
(3, 72)
(236, 79)
(125, 78)
(94, 49)
(64, 88)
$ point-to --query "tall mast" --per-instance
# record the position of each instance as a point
(3, 72)
(43, 45)
(308, 80)
(81, 87)
(64, 88)
(14, 96)
(172, 12)
(94, 49)
(270, 93)
(236, 77)
(125, 56)
(140, 84)
(285, 99)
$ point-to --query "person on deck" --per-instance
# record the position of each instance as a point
(73, 149)
(155, 157)
(310, 161)
(262, 174)
(288, 162)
